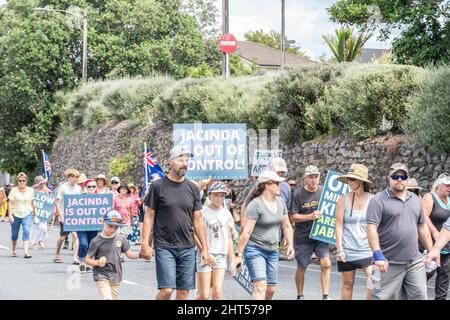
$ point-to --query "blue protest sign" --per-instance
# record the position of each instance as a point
(84, 212)
(324, 229)
(243, 276)
(220, 150)
(44, 204)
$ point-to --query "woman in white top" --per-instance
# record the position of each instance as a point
(353, 250)
(219, 225)
(22, 212)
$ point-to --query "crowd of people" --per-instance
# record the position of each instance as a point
(394, 237)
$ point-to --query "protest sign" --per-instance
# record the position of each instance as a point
(84, 212)
(262, 158)
(220, 150)
(324, 229)
(44, 204)
(243, 275)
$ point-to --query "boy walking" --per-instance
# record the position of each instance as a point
(104, 256)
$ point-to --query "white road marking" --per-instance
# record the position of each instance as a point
(134, 284)
(5, 248)
(312, 268)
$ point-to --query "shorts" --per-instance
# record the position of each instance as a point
(175, 268)
(303, 252)
(61, 232)
(262, 264)
(141, 215)
(221, 262)
(353, 265)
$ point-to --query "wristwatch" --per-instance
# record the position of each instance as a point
(237, 254)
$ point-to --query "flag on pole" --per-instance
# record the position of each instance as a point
(151, 166)
(47, 169)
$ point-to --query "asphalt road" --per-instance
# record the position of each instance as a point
(40, 278)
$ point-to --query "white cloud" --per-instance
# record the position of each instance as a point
(306, 22)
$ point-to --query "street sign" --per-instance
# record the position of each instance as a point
(227, 43)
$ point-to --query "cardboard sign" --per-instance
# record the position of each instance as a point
(44, 204)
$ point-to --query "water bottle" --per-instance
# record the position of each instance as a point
(431, 267)
(375, 280)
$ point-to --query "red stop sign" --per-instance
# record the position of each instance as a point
(227, 43)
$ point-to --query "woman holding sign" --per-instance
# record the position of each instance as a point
(21, 213)
(353, 250)
(266, 213)
(38, 231)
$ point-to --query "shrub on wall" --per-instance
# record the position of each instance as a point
(373, 99)
(429, 116)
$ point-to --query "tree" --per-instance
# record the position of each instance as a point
(41, 55)
(346, 46)
(273, 40)
(424, 25)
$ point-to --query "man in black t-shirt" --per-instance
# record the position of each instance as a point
(172, 217)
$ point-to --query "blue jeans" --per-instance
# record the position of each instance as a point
(26, 225)
(262, 264)
(85, 238)
(175, 268)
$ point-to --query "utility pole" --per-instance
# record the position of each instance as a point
(282, 34)
(225, 29)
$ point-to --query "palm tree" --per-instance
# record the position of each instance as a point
(346, 46)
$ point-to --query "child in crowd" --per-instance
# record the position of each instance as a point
(104, 255)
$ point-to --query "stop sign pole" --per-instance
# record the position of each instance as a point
(225, 30)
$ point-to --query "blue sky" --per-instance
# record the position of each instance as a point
(306, 21)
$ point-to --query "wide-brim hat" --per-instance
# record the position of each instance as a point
(82, 178)
(359, 172)
(412, 184)
(39, 180)
(102, 177)
(124, 186)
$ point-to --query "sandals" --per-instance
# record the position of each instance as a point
(58, 260)
(14, 255)
(27, 256)
(76, 263)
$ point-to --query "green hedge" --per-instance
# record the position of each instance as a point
(429, 117)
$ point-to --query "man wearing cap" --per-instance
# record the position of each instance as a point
(303, 213)
(395, 222)
(172, 217)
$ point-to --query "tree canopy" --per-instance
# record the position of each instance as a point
(424, 26)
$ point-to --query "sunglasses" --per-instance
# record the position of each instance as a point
(90, 186)
(114, 182)
(292, 184)
(399, 176)
(22, 180)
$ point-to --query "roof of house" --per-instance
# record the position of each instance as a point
(266, 56)
(368, 55)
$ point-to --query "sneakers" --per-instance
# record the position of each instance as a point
(82, 268)
(301, 297)
(88, 269)
(122, 259)
(326, 297)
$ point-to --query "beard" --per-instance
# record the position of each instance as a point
(398, 187)
(181, 172)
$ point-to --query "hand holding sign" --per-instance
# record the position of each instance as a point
(316, 215)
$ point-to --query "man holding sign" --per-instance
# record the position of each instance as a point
(303, 213)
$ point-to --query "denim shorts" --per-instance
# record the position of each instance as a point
(303, 252)
(26, 225)
(262, 264)
(175, 268)
(221, 262)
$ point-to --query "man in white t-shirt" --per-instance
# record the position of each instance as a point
(69, 187)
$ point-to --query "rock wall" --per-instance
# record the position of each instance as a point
(91, 152)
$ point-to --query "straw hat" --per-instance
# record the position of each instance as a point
(359, 172)
(412, 184)
(82, 179)
(101, 176)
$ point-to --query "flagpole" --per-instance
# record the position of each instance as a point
(145, 165)
(43, 162)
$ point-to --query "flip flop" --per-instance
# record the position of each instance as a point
(57, 261)
(76, 263)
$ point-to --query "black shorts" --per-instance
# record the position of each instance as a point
(141, 215)
(61, 232)
(353, 265)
